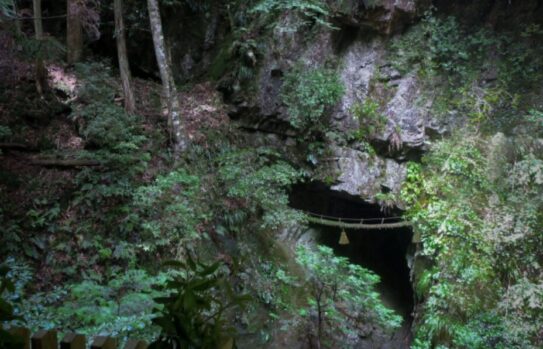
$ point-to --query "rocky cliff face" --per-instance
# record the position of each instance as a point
(359, 49)
(383, 17)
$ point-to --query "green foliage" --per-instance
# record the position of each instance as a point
(5, 132)
(120, 307)
(47, 49)
(7, 8)
(341, 296)
(470, 70)
(6, 309)
(115, 139)
(192, 314)
(521, 67)
(534, 119)
(104, 124)
(96, 82)
(257, 181)
(65, 206)
(311, 11)
(107, 125)
(272, 285)
(240, 56)
(308, 94)
(169, 212)
(479, 228)
(371, 121)
(441, 45)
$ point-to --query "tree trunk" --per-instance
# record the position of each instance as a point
(124, 67)
(18, 27)
(41, 72)
(166, 75)
(74, 33)
(211, 32)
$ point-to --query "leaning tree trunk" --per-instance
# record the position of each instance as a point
(124, 67)
(41, 72)
(74, 32)
(166, 75)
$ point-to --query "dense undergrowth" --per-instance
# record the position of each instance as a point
(476, 197)
(85, 245)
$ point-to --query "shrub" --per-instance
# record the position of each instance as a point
(371, 121)
(6, 309)
(121, 307)
(106, 125)
(257, 182)
(169, 212)
(316, 11)
(192, 313)
(441, 45)
(308, 94)
(341, 297)
(484, 290)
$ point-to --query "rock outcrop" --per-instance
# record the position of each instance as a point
(384, 17)
(364, 175)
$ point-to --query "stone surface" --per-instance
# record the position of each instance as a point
(286, 49)
(405, 116)
(384, 16)
(359, 64)
(364, 175)
(365, 74)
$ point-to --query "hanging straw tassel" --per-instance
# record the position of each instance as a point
(343, 238)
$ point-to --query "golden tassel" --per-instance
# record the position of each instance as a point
(343, 238)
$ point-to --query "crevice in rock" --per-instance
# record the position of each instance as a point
(385, 149)
(386, 252)
(344, 37)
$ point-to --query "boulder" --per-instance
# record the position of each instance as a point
(383, 16)
(364, 175)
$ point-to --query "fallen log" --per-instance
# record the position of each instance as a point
(16, 146)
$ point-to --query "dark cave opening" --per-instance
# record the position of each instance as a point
(384, 251)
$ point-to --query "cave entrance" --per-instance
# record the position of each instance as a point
(384, 251)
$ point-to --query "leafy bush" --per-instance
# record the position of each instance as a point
(258, 182)
(483, 288)
(441, 45)
(49, 48)
(107, 125)
(370, 120)
(341, 297)
(520, 67)
(535, 119)
(103, 123)
(316, 11)
(169, 212)
(308, 94)
(96, 82)
(192, 313)
(6, 309)
(121, 307)
(479, 73)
